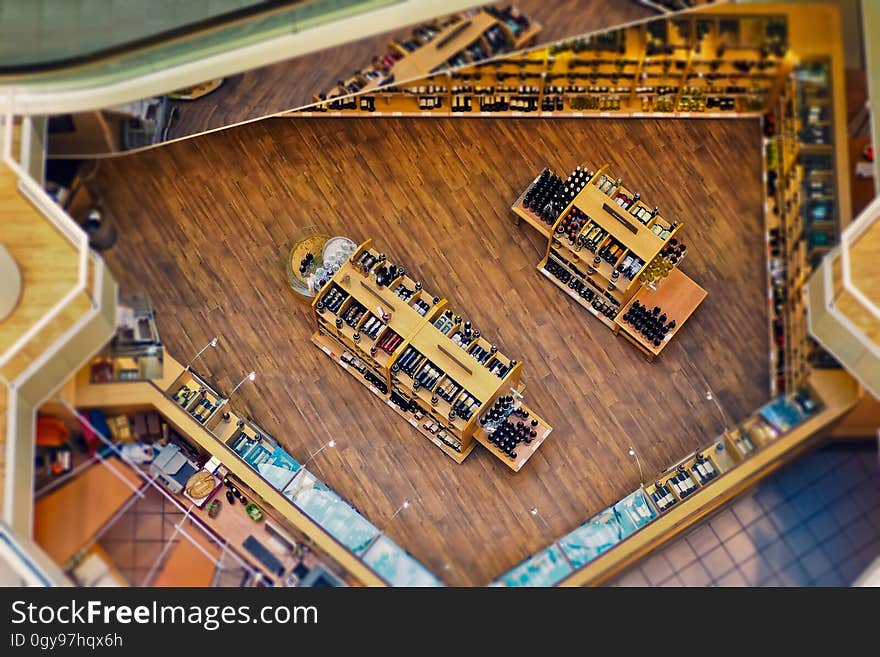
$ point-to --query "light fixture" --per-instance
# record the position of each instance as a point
(534, 511)
(632, 453)
(250, 377)
(710, 396)
(212, 343)
(300, 471)
(330, 443)
(404, 505)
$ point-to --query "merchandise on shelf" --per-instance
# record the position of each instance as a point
(600, 237)
(455, 41)
(696, 65)
(431, 365)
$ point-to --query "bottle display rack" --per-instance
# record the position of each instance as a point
(446, 43)
(655, 503)
(613, 253)
(693, 65)
(280, 484)
(801, 216)
(432, 366)
(198, 398)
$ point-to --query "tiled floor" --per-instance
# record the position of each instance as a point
(141, 539)
(815, 523)
(137, 538)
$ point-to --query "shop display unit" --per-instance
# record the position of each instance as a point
(768, 62)
(692, 65)
(689, 489)
(450, 42)
(801, 215)
(135, 353)
(613, 253)
(198, 398)
(426, 361)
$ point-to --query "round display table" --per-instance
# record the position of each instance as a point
(313, 258)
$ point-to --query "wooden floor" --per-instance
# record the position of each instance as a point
(203, 226)
(290, 84)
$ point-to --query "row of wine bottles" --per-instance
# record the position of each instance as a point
(652, 323)
(682, 482)
(604, 304)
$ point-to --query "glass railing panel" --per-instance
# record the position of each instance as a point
(396, 565)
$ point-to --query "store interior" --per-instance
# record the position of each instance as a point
(418, 217)
(213, 442)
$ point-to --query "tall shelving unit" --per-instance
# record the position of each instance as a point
(801, 215)
(421, 357)
(615, 257)
(456, 40)
(687, 66)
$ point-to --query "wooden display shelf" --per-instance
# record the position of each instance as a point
(625, 85)
(324, 343)
(225, 430)
(530, 217)
(634, 235)
(452, 40)
(200, 391)
(637, 239)
(524, 452)
(448, 43)
(336, 350)
(838, 393)
(578, 298)
(678, 296)
(444, 112)
(457, 363)
(476, 385)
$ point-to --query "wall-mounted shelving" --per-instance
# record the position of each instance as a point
(450, 42)
(687, 490)
(801, 215)
(694, 65)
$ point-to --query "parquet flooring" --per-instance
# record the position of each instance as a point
(203, 226)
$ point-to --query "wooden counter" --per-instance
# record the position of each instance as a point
(678, 296)
(119, 396)
(838, 391)
(422, 61)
